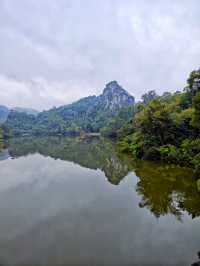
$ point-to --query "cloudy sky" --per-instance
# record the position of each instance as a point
(54, 52)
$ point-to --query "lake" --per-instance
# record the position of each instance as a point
(72, 201)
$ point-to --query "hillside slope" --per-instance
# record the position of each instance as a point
(4, 111)
(89, 114)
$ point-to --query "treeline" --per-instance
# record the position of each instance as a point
(166, 127)
(85, 115)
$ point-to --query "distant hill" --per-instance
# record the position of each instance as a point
(4, 111)
(89, 114)
(28, 111)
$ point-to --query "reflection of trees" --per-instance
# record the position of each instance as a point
(3, 145)
(93, 153)
(167, 190)
(191, 204)
(164, 189)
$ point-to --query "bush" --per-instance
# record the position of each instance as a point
(196, 162)
(170, 153)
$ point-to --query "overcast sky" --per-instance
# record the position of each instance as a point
(54, 52)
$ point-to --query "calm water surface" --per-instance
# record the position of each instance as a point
(78, 202)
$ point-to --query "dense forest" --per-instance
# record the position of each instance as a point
(166, 127)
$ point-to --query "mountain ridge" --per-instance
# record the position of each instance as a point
(88, 114)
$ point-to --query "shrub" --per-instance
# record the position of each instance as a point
(170, 153)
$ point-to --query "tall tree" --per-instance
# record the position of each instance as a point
(149, 96)
(196, 116)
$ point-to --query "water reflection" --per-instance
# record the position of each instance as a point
(164, 189)
(94, 153)
(57, 208)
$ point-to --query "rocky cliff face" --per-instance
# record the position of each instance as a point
(115, 97)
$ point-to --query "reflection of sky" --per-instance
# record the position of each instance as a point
(58, 212)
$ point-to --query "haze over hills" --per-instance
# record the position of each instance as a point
(29, 111)
(4, 112)
(89, 114)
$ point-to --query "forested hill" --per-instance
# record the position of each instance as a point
(4, 112)
(90, 114)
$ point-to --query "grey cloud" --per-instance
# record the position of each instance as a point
(71, 48)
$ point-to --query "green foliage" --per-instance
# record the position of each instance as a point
(125, 130)
(88, 114)
(170, 153)
(193, 86)
(155, 124)
(149, 96)
(20, 122)
(196, 114)
(196, 162)
(134, 144)
(167, 127)
(122, 119)
(198, 185)
(193, 82)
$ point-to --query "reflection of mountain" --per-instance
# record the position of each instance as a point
(93, 153)
(164, 189)
(167, 190)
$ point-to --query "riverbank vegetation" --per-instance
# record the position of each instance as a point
(166, 127)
